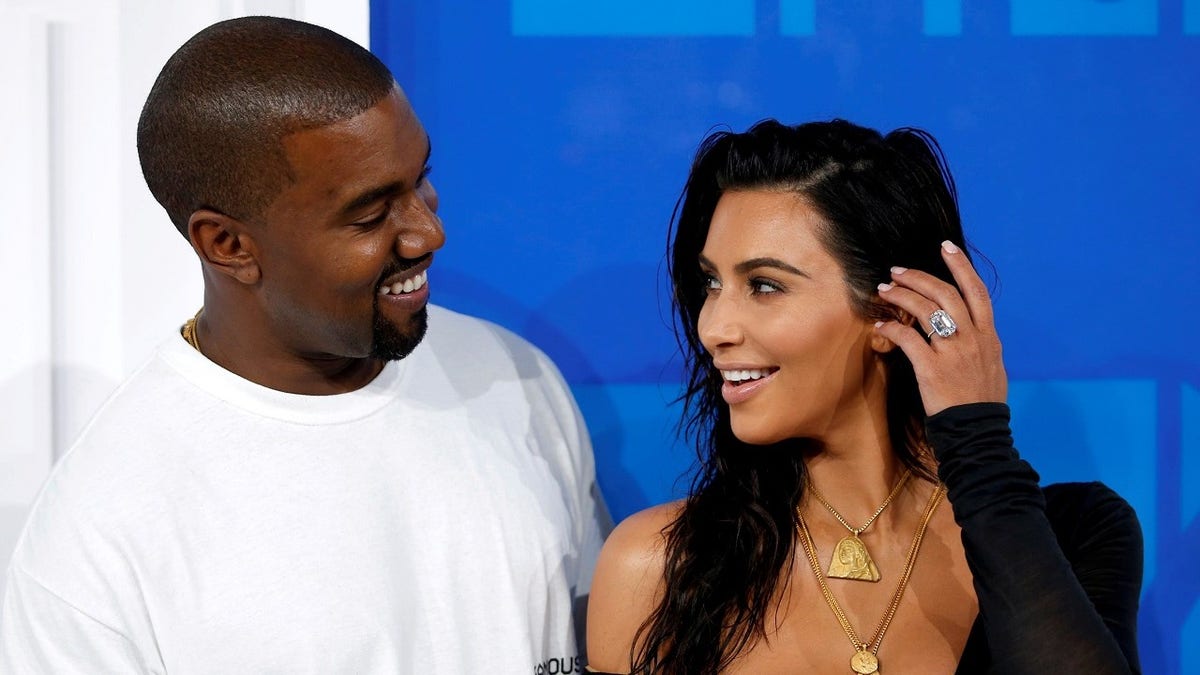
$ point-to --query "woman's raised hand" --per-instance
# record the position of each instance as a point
(961, 361)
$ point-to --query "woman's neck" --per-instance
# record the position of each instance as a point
(854, 465)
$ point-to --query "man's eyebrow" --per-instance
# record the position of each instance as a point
(754, 263)
(375, 194)
(371, 196)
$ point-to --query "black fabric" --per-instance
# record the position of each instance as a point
(1057, 571)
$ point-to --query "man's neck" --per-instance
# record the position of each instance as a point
(280, 369)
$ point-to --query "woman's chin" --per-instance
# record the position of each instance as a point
(757, 434)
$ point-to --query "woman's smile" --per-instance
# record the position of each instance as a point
(742, 383)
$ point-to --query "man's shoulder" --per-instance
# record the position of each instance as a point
(448, 324)
(107, 462)
(482, 342)
(149, 399)
(498, 372)
(101, 487)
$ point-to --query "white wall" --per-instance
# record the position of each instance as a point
(93, 274)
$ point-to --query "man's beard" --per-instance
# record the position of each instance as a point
(389, 343)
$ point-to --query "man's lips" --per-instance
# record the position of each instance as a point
(406, 281)
(405, 285)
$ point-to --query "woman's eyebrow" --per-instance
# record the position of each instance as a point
(754, 263)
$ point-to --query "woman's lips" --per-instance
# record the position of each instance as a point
(738, 393)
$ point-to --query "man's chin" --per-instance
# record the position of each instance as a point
(391, 343)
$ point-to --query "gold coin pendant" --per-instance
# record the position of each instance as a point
(864, 663)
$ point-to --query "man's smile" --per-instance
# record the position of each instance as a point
(403, 286)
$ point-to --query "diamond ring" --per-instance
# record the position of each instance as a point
(942, 324)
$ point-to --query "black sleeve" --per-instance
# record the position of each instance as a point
(1057, 574)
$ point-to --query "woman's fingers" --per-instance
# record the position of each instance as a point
(973, 291)
(964, 367)
(918, 303)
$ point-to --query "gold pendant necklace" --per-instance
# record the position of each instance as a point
(189, 331)
(850, 559)
(866, 654)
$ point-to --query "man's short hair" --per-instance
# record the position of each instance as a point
(209, 136)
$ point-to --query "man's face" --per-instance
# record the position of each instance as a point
(344, 248)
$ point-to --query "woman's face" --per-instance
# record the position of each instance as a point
(796, 358)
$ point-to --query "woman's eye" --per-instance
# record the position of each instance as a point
(762, 287)
(711, 283)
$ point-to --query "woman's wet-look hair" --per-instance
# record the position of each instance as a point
(883, 201)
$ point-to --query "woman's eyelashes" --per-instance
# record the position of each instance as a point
(760, 286)
(756, 285)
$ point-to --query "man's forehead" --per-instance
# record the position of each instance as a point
(389, 126)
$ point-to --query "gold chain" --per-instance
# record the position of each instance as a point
(861, 648)
(840, 519)
(190, 332)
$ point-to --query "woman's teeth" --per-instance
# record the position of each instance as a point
(738, 376)
(406, 286)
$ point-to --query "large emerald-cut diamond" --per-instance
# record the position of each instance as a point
(942, 324)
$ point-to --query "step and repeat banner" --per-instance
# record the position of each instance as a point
(563, 130)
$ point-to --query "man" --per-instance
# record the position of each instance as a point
(303, 480)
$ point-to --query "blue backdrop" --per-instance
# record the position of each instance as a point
(563, 130)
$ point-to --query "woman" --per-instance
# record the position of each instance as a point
(844, 382)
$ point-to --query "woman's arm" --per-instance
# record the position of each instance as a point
(1040, 609)
(1057, 582)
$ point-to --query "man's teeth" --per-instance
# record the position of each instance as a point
(744, 375)
(406, 286)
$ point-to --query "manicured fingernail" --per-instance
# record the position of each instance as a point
(886, 287)
(950, 247)
(899, 270)
(878, 324)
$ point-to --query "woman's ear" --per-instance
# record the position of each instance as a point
(881, 344)
(224, 245)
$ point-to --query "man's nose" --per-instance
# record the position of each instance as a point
(420, 227)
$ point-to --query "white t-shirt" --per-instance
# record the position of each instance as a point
(442, 519)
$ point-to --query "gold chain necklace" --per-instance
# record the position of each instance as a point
(850, 559)
(189, 332)
(866, 654)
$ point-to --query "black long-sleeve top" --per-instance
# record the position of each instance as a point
(1057, 571)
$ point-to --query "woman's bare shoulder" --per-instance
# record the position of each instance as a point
(627, 585)
(640, 538)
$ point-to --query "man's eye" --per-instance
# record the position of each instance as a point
(424, 174)
(372, 222)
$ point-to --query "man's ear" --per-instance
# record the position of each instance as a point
(881, 344)
(224, 245)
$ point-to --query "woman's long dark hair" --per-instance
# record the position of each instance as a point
(884, 201)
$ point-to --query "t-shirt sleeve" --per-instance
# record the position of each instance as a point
(592, 520)
(1057, 583)
(595, 522)
(562, 421)
(40, 632)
